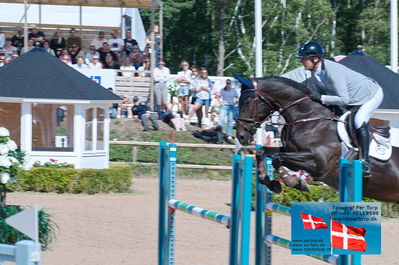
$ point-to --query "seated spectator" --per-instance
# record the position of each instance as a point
(73, 39)
(99, 40)
(116, 43)
(28, 48)
(9, 49)
(92, 52)
(65, 59)
(113, 107)
(127, 65)
(58, 52)
(36, 35)
(57, 41)
(136, 59)
(105, 55)
(80, 63)
(18, 40)
(2, 40)
(129, 42)
(14, 56)
(65, 56)
(212, 131)
(76, 52)
(125, 108)
(46, 47)
(145, 68)
(96, 64)
(141, 111)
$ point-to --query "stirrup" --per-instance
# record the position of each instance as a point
(366, 168)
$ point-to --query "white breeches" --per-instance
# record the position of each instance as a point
(367, 109)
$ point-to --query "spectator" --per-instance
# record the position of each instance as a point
(105, 54)
(141, 111)
(2, 59)
(73, 39)
(154, 33)
(46, 47)
(2, 39)
(76, 52)
(14, 56)
(125, 108)
(137, 58)
(113, 107)
(96, 64)
(212, 131)
(65, 59)
(111, 64)
(36, 35)
(116, 43)
(195, 70)
(227, 99)
(58, 52)
(92, 52)
(203, 95)
(28, 48)
(184, 79)
(80, 63)
(65, 56)
(57, 41)
(129, 42)
(161, 77)
(9, 49)
(127, 65)
(18, 40)
(99, 40)
(145, 68)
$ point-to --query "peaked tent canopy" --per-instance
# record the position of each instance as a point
(388, 80)
(39, 75)
(103, 3)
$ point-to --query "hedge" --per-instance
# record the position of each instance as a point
(117, 178)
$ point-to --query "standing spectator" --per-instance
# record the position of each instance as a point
(127, 65)
(116, 43)
(2, 39)
(154, 33)
(125, 108)
(99, 40)
(57, 41)
(36, 35)
(18, 40)
(9, 49)
(129, 42)
(141, 111)
(76, 52)
(28, 48)
(227, 99)
(73, 39)
(195, 75)
(203, 95)
(80, 63)
(96, 64)
(92, 52)
(161, 77)
(184, 79)
(46, 46)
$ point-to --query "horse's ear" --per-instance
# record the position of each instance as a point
(246, 83)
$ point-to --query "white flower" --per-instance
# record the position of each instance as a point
(4, 177)
(5, 162)
(4, 132)
(13, 160)
(12, 145)
(4, 149)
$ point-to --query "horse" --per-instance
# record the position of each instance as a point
(309, 137)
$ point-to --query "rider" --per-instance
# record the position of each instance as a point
(334, 84)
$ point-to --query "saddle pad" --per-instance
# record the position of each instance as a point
(380, 147)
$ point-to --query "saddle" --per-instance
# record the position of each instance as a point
(380, 142)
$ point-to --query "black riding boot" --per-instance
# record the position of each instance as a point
(362, 135)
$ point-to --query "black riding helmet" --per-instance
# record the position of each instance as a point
(311, 49)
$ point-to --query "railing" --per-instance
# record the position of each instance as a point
(22, 253)
(135, 144)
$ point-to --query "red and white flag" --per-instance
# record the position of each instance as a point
(313, 222)
(347, 237)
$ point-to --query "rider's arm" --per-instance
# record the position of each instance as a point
(299, 75)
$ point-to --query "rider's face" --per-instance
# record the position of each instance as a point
(310, 63)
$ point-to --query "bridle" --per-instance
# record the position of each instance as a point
(256, 122)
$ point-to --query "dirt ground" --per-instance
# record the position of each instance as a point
(119, 229)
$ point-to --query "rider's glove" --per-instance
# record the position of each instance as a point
(315, 95)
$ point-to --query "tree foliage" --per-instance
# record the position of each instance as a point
(219, 34)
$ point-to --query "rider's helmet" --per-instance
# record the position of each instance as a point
(311, 49)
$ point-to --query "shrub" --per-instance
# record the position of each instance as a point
(117, 178)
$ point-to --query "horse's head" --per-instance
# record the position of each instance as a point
(253, 112)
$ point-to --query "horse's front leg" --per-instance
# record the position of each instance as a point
(261, 154)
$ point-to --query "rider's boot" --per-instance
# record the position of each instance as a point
(362, 135)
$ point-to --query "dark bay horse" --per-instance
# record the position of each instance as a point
(309, 137)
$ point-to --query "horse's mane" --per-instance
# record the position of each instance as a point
(301, 87)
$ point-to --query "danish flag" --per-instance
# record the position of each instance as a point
(313, 222)
(347, 237)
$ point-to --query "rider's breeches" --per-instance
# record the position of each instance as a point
(367, 109)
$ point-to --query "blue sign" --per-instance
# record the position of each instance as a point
(341, 228)
(96, 78)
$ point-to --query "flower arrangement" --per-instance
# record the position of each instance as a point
(173, 88)
(11, 159)
(53, 163)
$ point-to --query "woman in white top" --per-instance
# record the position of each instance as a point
(204, 87)
(127, 65)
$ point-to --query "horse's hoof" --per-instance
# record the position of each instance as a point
(302, 186)
(290, 181)
(275, 186)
